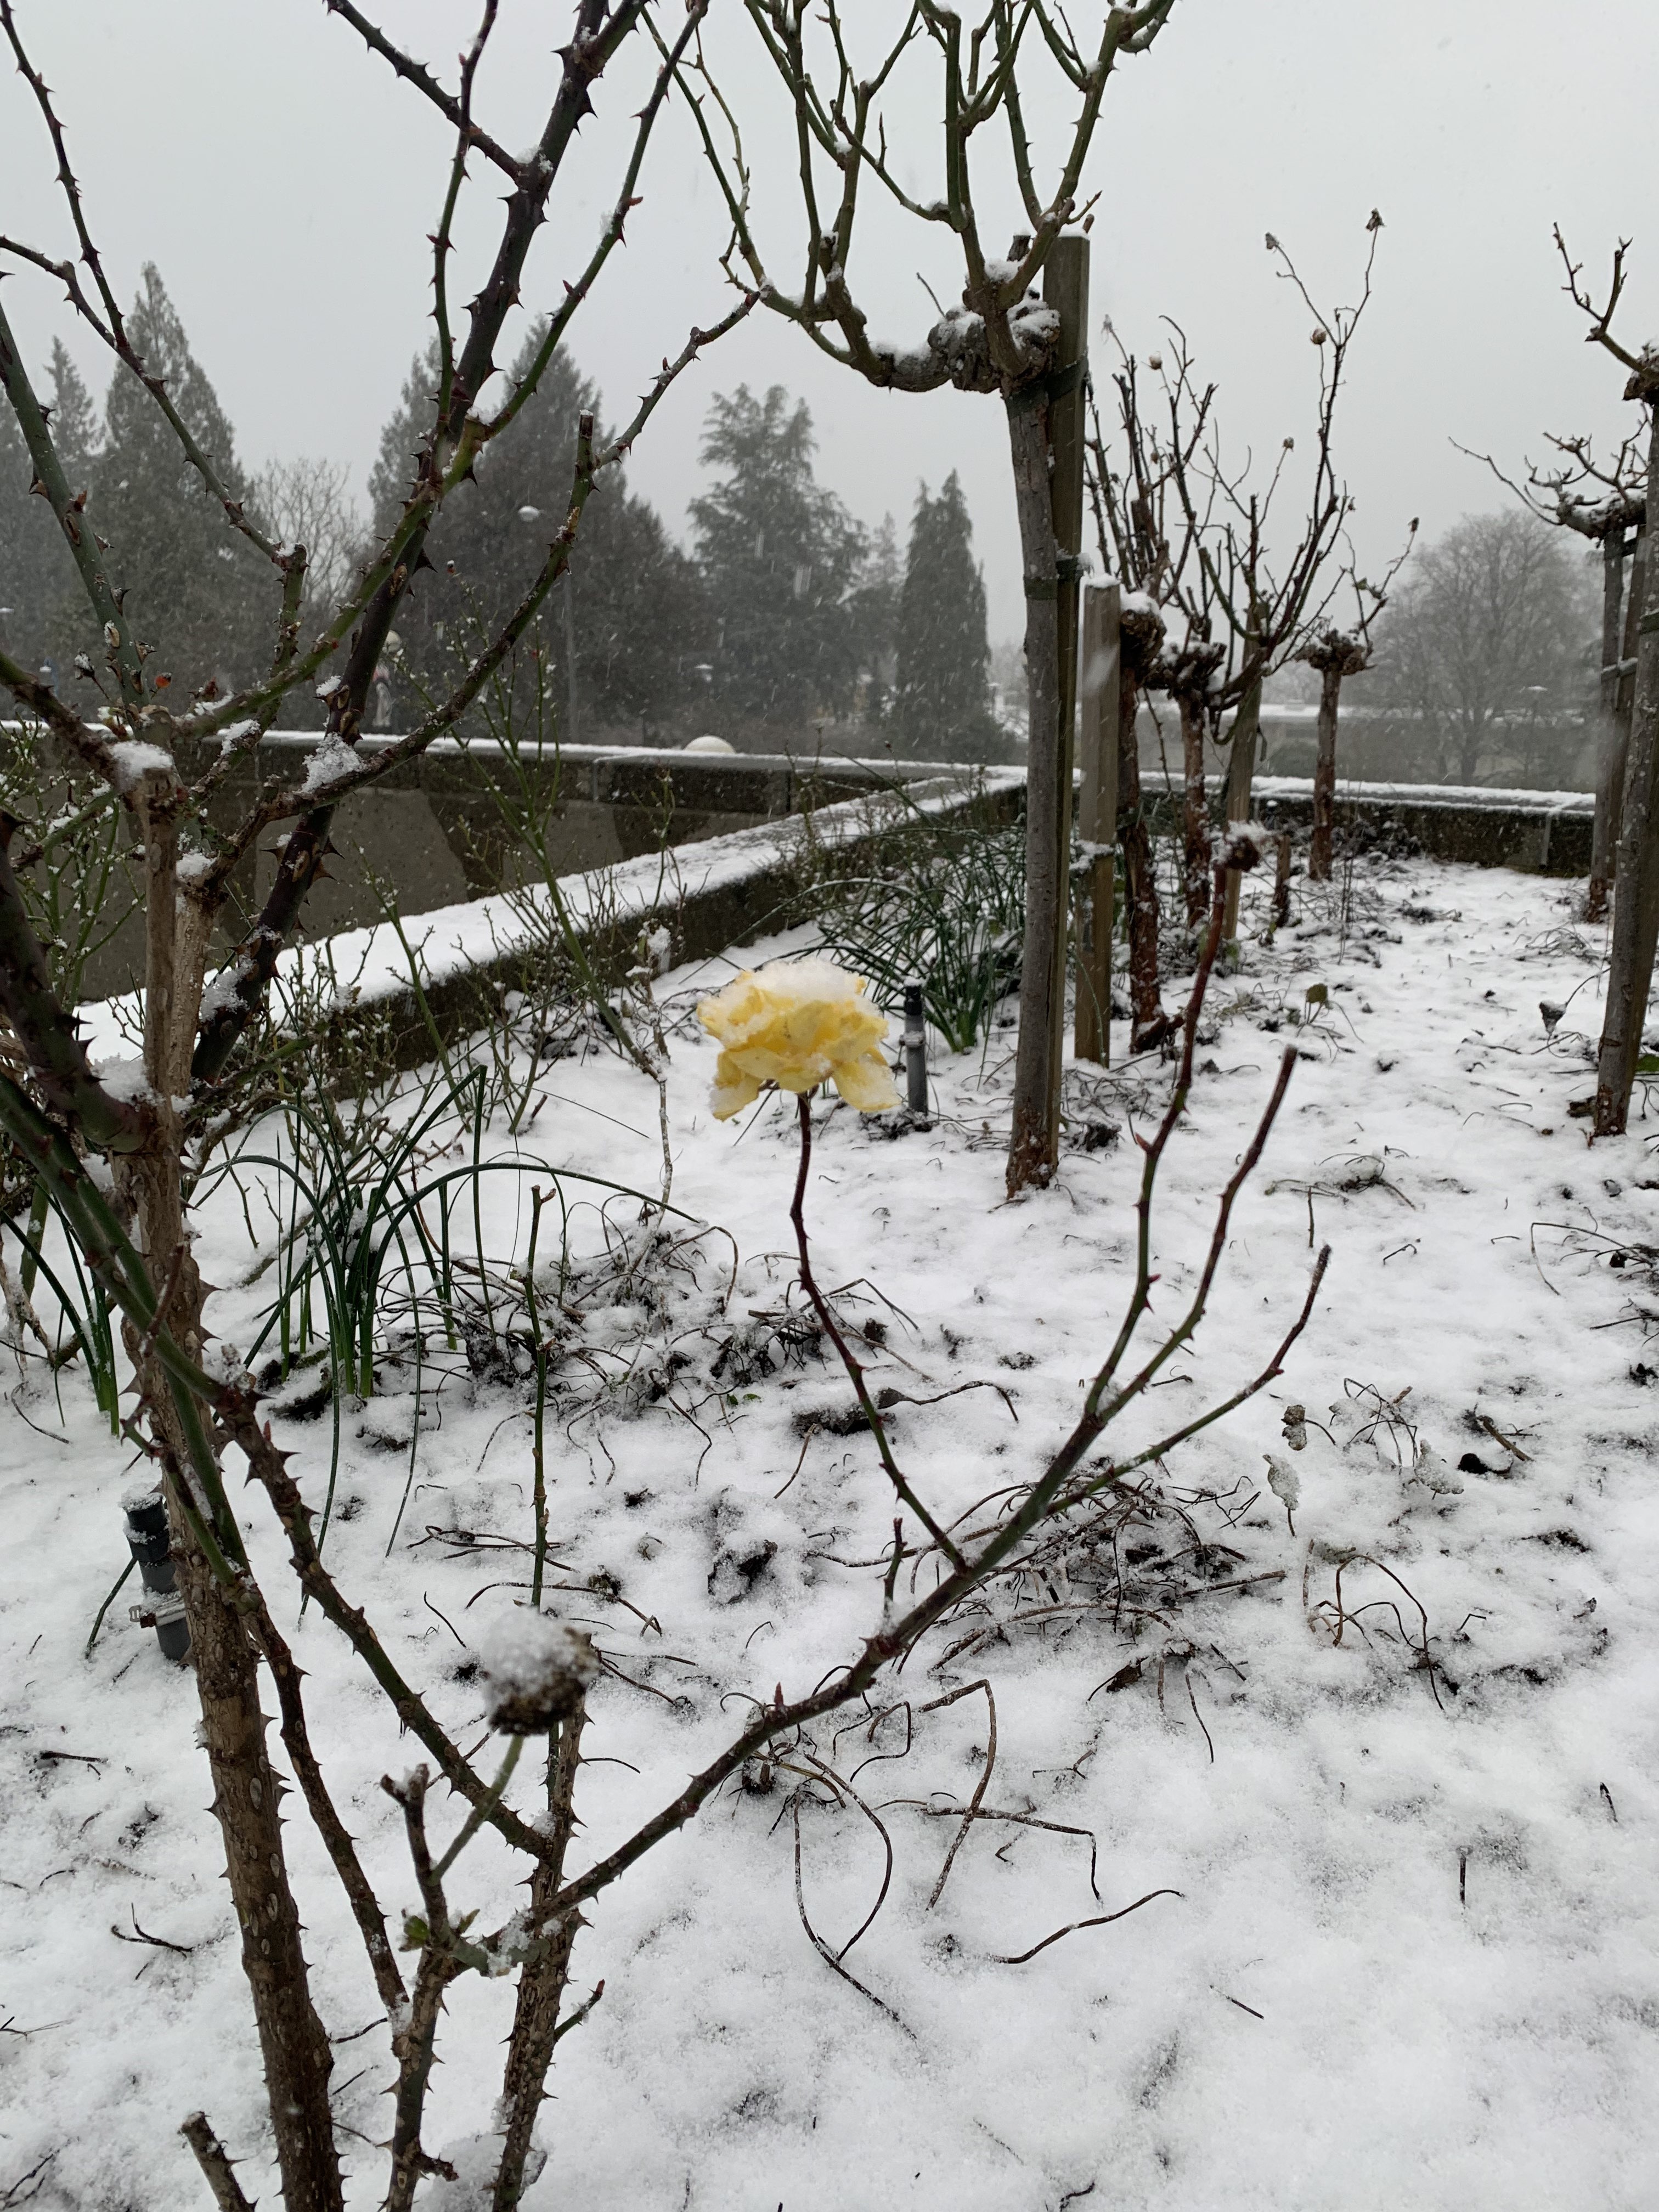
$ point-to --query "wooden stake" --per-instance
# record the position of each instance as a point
(1065, 289)
(1610, 754)
(1099, 677)
(1046, 435)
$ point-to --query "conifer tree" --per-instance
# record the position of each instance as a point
(942, 709)
(780, 556)
(631, 603)
(875, 605)
(39, 600)
(75, 429)
(205, 596)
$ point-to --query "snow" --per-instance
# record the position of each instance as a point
(1510, 799)
(535, 1667)
(123, 1077)
(331, 764)
(133, 760)
(372, 964)
(219, 993)
(1410, 1954)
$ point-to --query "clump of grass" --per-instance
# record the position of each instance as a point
(935, 897)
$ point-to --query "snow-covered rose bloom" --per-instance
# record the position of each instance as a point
(796, 1023)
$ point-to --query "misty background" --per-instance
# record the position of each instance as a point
(1473, 129)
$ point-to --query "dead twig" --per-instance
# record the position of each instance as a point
(974, 1802)
(142, 1935)
(1099, 1920)
(832, 1958)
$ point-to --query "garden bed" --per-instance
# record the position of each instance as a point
(1374, 1741)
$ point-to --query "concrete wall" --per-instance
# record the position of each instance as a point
(725, 890)
(431, 836)
(1379, 746)
(432, 833)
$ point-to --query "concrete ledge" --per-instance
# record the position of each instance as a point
(1539, 833)
(1535, 832)
(710, 894)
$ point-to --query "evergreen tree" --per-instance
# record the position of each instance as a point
(73, 417)
(942, 707)
(631, 600)
(37, 585)
(875, 607)
(780, 556)
(200, 597)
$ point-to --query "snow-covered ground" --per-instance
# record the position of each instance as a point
(1410, 1958)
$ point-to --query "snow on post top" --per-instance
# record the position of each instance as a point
(132, 759)
(535, 1670)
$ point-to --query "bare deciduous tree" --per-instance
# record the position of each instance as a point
(1003, 340)
(1483, 631)
(1635, 901)
(308, 501)
(162, 763)
(1195, 535)
(1605, 503)
(1334, 653)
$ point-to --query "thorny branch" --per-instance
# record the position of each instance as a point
(454, 112)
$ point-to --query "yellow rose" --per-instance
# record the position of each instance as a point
(796, 1023)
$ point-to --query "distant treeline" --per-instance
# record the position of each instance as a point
(784, 612)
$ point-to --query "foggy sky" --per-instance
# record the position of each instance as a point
(285, 183)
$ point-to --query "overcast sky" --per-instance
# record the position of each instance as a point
(284, 182)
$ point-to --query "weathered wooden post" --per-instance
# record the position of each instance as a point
(1618, 694)
(1099, 681)
(1066, 289)
(1033, 1138)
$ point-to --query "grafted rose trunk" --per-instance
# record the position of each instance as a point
(1195, 812)
(1635, 907)
(1324, 790)
(1149, 1024)
(245, 1791)
(541, 1982)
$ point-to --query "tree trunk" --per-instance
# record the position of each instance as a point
(1625, 700)
(245, 1791)
(1610, 754)
(1150, 1024)
(1240, 772)
(1324, 790)
(1635, 907)
(1045, 436)
(542, 1981)
(292, 2043)
(1195, 812)
(1468, 753)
